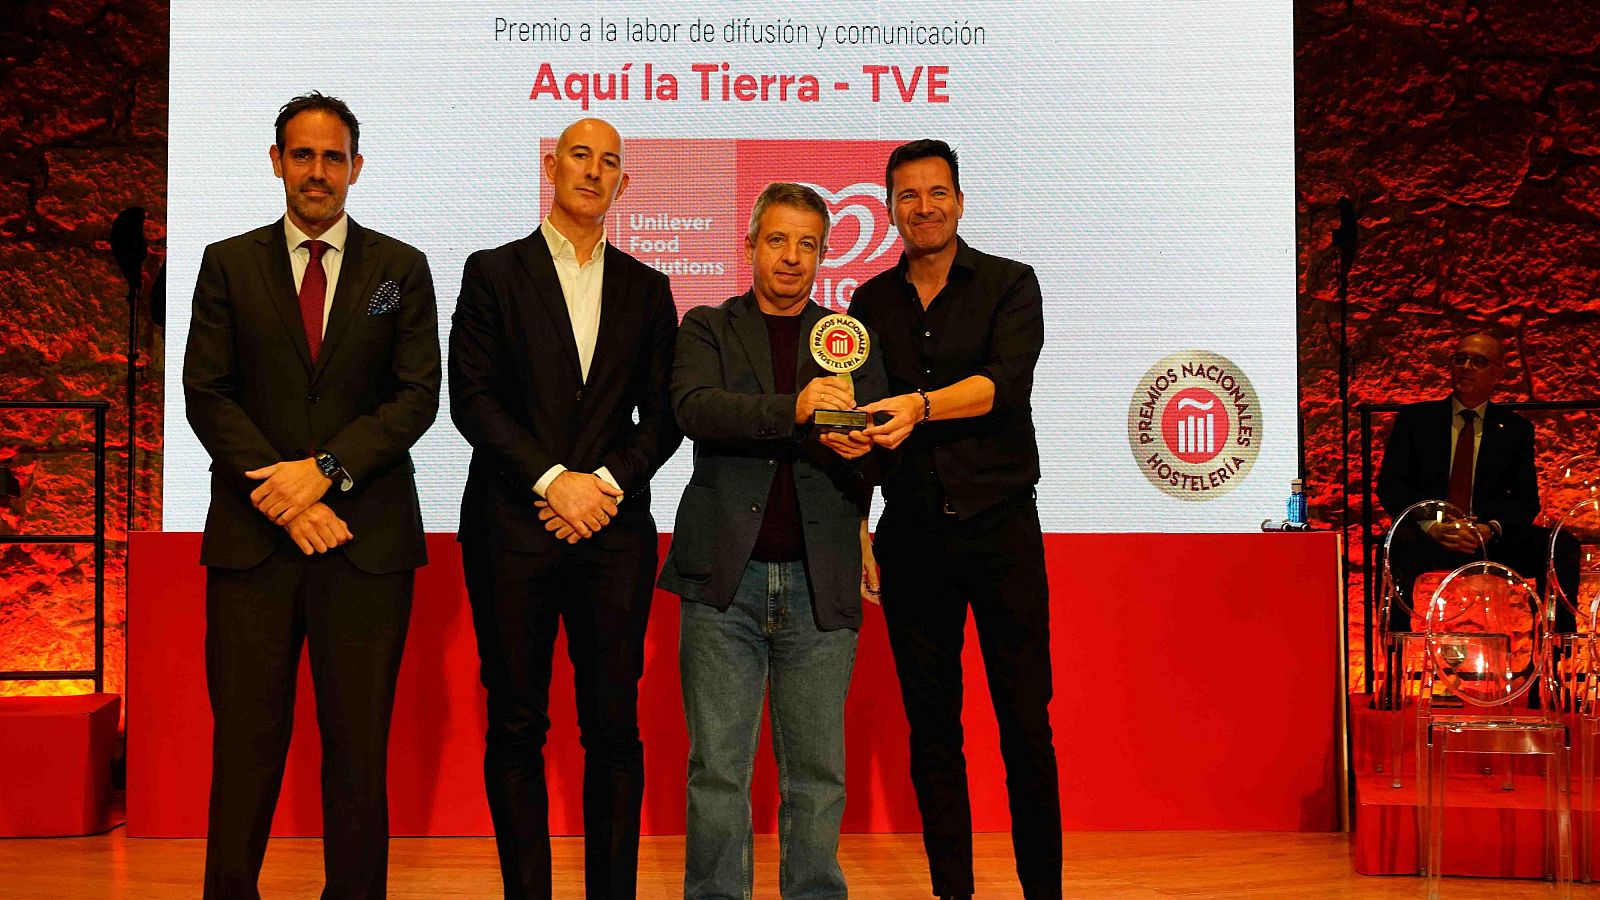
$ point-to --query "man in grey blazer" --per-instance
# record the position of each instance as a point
(770, 553)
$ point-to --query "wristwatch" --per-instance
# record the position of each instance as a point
(329, 464)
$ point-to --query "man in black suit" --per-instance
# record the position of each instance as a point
(1480, 458)
(768, 556)
(558, 342)
(312, 367)
(962, 331)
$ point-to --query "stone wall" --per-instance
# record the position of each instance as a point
(82, 137)
(1467, 135)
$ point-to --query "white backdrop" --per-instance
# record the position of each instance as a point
(1138, 154)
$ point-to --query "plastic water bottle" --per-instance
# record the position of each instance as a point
(1296, 504)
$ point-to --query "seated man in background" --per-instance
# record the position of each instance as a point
(1480, 458)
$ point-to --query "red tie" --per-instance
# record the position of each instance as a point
(1460, 495)
(314, 293)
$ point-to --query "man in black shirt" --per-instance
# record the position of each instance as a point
(767, 555)
(961, 331)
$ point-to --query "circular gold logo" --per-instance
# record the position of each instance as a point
(839, 343)
(1194, 425)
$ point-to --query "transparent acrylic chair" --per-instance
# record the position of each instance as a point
(1487, 634)
(1575, 480)
(1578, 477)
(1408, 552)
(1579, 525)
(1575, 655)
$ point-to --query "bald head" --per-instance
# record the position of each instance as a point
(591, 132)
(1483, 343)
(1476, 368)
(585, 171)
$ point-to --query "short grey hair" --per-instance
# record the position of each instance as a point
(787, 193)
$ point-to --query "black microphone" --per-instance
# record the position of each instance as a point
(1344, 237)
(130, 248)
(128, 244)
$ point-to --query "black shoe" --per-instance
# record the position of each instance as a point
(955, 897)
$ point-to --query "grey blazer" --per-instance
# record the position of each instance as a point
(723, 396)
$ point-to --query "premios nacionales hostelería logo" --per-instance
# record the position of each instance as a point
(1194, 425)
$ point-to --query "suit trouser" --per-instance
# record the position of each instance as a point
(355, 626)
(934, 567)
(518, 600)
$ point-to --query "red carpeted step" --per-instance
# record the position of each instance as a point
(55, 764)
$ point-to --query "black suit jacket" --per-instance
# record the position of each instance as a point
(254, 398)
(722, 390)
(518, 395)
(1416, 464)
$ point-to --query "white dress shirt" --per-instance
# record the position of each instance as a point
(580, 286)
(300, 257)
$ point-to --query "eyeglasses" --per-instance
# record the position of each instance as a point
(1462, 360)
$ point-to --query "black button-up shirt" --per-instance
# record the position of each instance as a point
(988, 320)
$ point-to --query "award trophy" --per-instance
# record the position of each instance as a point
(840, 345)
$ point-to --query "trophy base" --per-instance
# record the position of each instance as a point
(840, 420)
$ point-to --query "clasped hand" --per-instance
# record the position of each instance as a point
(290, 495)
(287, 488)
(1460, 535)
(577, 505)
(318, 529)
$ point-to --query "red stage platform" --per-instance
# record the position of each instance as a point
(1197, 686)
(1489, 832)
(55, 764)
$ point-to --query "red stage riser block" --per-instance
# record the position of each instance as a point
(55, 764)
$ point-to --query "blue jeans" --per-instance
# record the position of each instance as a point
(767, 636)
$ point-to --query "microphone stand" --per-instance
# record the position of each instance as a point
(130, 248)
(1344, 240)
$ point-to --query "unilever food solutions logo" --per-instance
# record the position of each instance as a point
(1194, 425)
(688, 203)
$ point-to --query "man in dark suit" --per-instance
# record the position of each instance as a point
(1480, 458)
(312, 367)
(768, 555)
(558, 342)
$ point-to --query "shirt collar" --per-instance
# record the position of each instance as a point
(966, 260)
(1456, 408)
(561, 248)
(334, 237)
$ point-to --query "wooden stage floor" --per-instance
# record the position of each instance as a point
(1122, 865)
